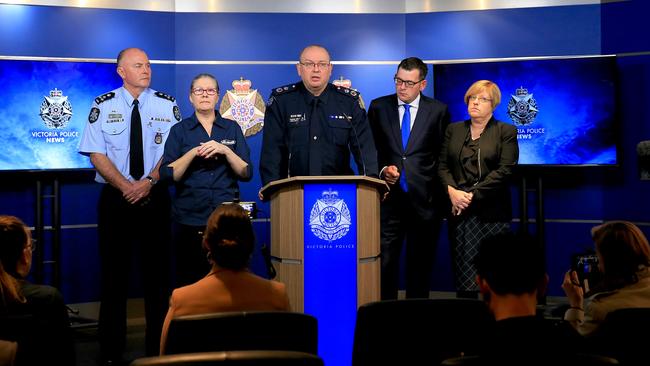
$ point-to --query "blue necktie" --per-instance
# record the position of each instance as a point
(406, 127)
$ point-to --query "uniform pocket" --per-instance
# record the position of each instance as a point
(115, 135)
(298, 133)
(340, 129)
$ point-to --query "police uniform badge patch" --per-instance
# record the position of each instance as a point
(94, 115)
(244, 106)
(158, 138)
(330, 217)
(346, 88)
(56, 110)
(522, 107)
(177, 113)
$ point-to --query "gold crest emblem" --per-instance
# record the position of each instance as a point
(244, 106)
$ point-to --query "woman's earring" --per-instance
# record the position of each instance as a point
(208, 256)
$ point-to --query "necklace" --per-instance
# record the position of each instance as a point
(476, 132)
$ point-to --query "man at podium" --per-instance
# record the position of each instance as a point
(311, 127)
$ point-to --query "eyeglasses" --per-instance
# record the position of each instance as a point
(481, 100)
(408, 83)
(200, 91)
(311, 65)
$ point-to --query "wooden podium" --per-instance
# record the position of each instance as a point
(288, 233)
(325, 248)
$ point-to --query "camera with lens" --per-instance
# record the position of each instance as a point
(586, 266)
(250, 207)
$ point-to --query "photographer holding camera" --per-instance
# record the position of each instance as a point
(624, 261)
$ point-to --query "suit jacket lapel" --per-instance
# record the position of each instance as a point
(393, 120)
(417, 132)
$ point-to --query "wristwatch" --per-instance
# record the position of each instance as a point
(152, 181)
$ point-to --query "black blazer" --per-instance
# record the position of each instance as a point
(499, 153)
(421, 153)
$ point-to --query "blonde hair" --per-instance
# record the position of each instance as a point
(487, 86)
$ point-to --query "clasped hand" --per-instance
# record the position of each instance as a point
(460, 200)
(138, 192)
(391, 174)
(211, 149)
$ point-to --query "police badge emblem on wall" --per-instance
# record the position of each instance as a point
(330, 217)
(347, 83)
(56, 110)
(522, 107)
(244, 106)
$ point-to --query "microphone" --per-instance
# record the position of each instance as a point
(288, 143)
(236, 195)
(289, 165)
(643, 153)
(356, 137)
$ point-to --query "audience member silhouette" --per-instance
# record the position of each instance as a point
(229, 286)
(511, 275)
(33, 316)
(624, 261)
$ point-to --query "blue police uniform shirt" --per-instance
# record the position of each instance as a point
(109, 127)
(292, 145)
(207, 183)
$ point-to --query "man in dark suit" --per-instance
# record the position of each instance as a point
(407, 154)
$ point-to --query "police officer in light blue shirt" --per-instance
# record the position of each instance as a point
(107, 131)
(125, 138)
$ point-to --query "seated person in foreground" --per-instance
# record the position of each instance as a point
(511, 274)
(34, 316)
(229, 286)
(624, 261)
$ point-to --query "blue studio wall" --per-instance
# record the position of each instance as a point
(574, 199)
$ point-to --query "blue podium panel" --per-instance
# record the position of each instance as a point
(330, 263)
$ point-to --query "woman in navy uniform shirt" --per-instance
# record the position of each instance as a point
(205, 155)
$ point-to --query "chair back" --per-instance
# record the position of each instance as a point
(234, 358)
(245, 330)
(624, 336)
(405, 332)
(577, 359)
(40, 340)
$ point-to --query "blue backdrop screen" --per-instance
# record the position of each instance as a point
(44, 108)
(564, 109)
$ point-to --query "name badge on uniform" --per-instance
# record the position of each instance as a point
(158, 138)
(160, 119)
(114, 117)
(227, 142)
(295, 118)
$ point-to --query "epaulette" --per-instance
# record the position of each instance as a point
(348, 91)
(165, 96)
(104, 97)
(284, 89)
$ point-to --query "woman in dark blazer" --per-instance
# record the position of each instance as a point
(476, 161)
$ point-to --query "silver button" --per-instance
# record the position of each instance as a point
(315, 137)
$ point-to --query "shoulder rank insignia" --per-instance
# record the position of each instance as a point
(354, 93)
(283, 89)
(104, 97)
(165, 96)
